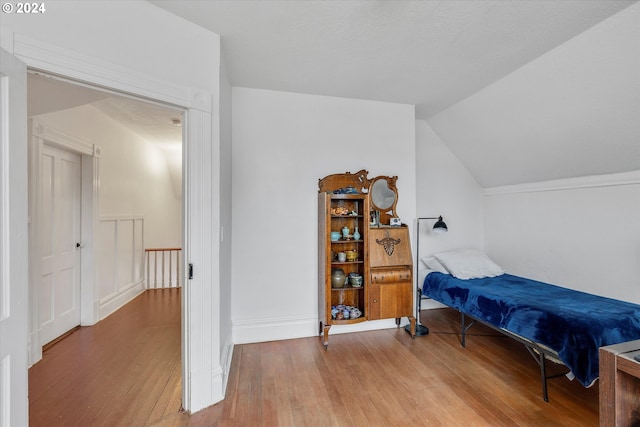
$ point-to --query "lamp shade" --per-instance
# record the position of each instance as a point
(440, 226)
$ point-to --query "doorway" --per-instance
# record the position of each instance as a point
(116, 183)
(201, 385)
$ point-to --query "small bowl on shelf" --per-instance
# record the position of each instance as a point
(355, 280)
(335, 236)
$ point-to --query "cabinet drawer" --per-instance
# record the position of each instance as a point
(391, 276)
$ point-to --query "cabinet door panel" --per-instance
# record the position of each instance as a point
(390, 300)
(396, 300)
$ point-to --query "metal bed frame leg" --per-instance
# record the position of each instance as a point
(540, 358)
(463, 330)
(543, 376)
(538, 355)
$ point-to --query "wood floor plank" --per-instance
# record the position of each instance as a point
(376, 378)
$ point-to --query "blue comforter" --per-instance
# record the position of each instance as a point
(572, 323)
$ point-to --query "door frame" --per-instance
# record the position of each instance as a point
(39, 135)
(202, 374)
(14, 408)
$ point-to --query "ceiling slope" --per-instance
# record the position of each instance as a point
(430, 53)
(521, 91)
(574, 111)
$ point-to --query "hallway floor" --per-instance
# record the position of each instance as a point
(124, 371)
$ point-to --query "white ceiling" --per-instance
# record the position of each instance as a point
(443, 56)
(431, 53)
(153, 122)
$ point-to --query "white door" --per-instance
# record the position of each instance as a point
(59, 289)
(14, 304)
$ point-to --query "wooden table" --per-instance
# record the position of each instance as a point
(620, 385)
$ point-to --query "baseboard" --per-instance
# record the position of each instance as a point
(207, 390)
(428, 304)
(225, 362)
(112, 304)
(273, 328)
(291, 327)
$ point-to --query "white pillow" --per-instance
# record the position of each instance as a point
(469, 264)
(433, 264)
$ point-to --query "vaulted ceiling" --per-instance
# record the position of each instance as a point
(430, 53)
(570, 116)
(520, 91)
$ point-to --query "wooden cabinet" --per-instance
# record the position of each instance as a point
(620, 385)
(380, 255)
(391, 275)
(342, 301)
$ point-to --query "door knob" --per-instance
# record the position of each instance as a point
(79, 245)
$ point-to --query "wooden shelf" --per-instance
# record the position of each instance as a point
(350, 321)
(328, 296)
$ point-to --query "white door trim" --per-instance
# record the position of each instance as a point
(96, 72)
(14, 408)
(41, 134)
(202, 375)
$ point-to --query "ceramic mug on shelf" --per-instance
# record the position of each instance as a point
(342, 257)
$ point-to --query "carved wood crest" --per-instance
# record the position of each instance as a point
(389, 243)
(357, 180)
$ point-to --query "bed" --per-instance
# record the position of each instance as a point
(551, 321)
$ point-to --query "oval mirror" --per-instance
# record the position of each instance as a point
(382, 196)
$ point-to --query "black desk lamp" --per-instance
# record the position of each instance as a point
(438, 227)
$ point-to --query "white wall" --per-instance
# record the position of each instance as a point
(283, 143)
(445, 187)
(134, 177)
(582, 234)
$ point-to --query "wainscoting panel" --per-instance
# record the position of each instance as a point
(121, 261)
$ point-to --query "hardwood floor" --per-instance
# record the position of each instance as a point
(124, 371)
(377, 378)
